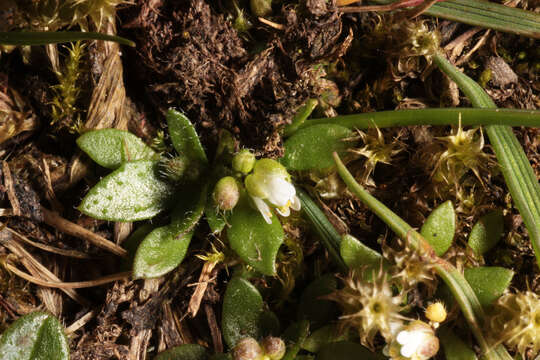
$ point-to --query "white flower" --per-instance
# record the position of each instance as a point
(418, 341)
(270, 184)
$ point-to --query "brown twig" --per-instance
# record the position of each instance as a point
(10, 189)
(51, 249)
(67, 285)
(66, 226)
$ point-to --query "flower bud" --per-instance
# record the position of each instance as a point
(273, 347)
(247, 349)
(226, 193)
(243, 161)
(261, 7)
(436, 312)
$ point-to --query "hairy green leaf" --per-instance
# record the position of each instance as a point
(36, 336)
(184, 136)
(165, 247)
(488, 282)
(112, 147)
(311, 148)
(440, 227)
(242, 312)
(358, 256)
(322, 336)
(130, 193)
(254, 240)
(486, 232)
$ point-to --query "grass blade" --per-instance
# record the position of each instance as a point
(485, 14)
(326, 231)
(54, 37)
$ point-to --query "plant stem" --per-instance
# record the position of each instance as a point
(446, 116)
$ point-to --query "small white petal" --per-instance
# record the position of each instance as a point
(263, 208)
(403, 337)
(284, 211)
(280, 191)
(295, 203)
(408, 350)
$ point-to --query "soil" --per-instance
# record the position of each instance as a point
(190, 56)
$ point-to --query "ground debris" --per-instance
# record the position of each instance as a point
(195, 59)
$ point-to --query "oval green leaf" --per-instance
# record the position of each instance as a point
(440, 227)
(112, 147)
(345, 350)
(454, 347)
(184, 137)
(488, 282)
(130, 193)
(358, 256)
(314, 309)
(184, 352)
(165, 247)
(242, 312)
(312, 147)
(323, 336)
(160, 252)
(486, 232)
(36, 336)
(253, 239)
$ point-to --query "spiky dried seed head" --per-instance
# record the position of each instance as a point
(516, 322)
(370, 307)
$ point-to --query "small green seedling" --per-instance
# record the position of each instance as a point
(236, 190)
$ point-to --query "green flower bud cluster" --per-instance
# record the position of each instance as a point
(266, 181)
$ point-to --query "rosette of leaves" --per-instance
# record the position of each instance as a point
(144, 184)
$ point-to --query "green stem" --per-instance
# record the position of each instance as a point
(460, 288)
(54, 37)
(300, 117)
(446, 116)
(517, 171)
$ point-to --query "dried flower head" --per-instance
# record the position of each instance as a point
(376, 150)
(411, 267)
(370, 307)
(464, 152)
(516, 322)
